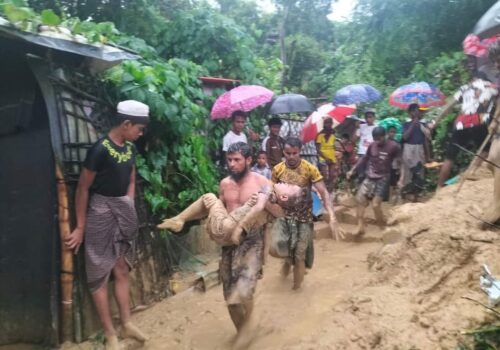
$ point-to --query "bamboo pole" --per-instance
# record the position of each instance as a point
(66, 258)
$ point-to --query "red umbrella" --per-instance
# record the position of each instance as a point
(314, 123)
(476, 47)
(243, 98)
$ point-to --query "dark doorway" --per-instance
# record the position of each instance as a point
(28, 226)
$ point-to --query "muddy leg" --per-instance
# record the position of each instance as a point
(360, 215)
(237, 313)
(285, 268)
(444, 173)
(299, 269)
(197, 210)
(492, 214)
(377, 210)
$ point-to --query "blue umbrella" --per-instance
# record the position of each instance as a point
(356, 94)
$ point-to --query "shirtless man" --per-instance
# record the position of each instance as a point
(240, 264)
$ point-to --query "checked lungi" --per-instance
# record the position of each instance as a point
(110, 233)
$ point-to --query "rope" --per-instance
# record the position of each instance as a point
(476, 155)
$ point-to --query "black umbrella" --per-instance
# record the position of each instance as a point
(489, 24)
(291, 103)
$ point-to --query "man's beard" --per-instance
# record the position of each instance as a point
(237, 176)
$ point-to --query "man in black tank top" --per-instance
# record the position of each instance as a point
(106, 216)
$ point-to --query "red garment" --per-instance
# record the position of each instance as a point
(468, 120)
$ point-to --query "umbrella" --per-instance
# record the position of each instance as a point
(425, 94)
(291, 103)
(242, 98)
(489, 23)
(355, 94)
(392, 122)
(314, 123)
(476, 47)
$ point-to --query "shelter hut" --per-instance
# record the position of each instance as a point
(52, 108)
(209, 84)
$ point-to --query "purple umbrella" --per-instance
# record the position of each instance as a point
(356, 94)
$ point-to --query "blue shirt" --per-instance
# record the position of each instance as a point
(417, 137)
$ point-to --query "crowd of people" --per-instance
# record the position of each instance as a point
(264, 205)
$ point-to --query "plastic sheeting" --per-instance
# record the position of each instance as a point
(105, 53)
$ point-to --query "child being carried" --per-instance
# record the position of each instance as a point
(226, 228)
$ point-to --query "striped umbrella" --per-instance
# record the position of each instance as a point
(314, 123)
(425, 94)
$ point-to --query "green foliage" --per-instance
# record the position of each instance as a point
(484, 338)
(176, 165)
(215, 42)
(50, 18)
(269, 72)
(305, 55)
(21, 16)
(308, 17)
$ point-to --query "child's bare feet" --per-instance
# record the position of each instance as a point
(112, 343)
(173, 224)
(131, 331)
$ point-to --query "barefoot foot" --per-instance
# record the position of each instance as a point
(131, 331)
(112, 343)
(174, 224)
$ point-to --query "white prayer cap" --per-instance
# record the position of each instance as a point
(133, 108)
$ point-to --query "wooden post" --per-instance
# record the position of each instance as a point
(66, 258)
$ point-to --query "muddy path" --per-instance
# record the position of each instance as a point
(282, 317)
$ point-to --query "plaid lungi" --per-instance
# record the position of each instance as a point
(110, 233)
(239, 267)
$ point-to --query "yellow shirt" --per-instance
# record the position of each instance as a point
(327, 147)
(303, 176)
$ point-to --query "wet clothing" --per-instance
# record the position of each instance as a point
(231, 138)
(379, 158)
(297, 227)
(273, 146)
(239, 267)
(110, 232)
(371, 188)
(304, 175)
(293, 239)
(326, 146)
(113, 165)
(220, 224)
